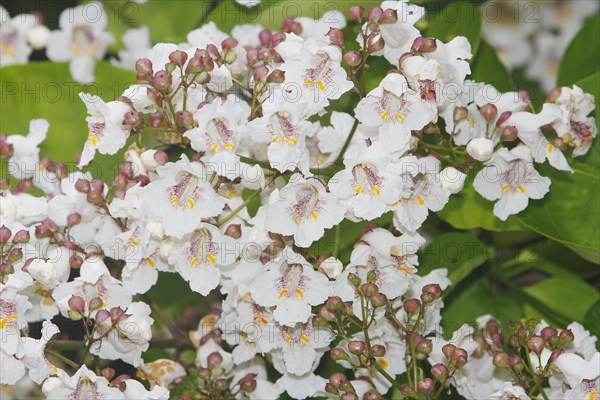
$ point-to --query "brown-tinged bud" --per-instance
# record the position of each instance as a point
(349, 395)
(378, 350)
(214, 360)
(24, 185)
(277, 76)
(423, 45)
(108, 373)
(42, 231)
(102, 316)
(566, 336)
(411, 306)
(554, 355)
(488, 111)
(21, 236)
(133, 118)
(213, 51)
(290, 25)
(439, 372)
(154, 96)
(375, 43)
(460, 114)
(374, 13)
(329, 388)
(509, 133)
(548, 332)
(536, 344)
(337, 354)
(162, 81)
(378, 300)
(503, 117)
(229, 43)
(75, 261)
(95, 198)
(354, 280)
(459, 358)
(346, 386)
(559, 143)
(352, 58)
(369, 289)
(277, 38)
(185, 118)
(433, 289)
(448, 350)
(336, 37)
(251, 56)
(334, 303)
(178, 58)
(6, 150)
(222, 384)
(76, 304)
(161, 157)
(96, 303)
(320, 321)
(143, 66)
(265, 37)
(73, 219)
(501, 359)
(260, 72)
(204, 374)
(554, 95)
(389, 16)
(424, 346)
(117, 315)
(234, 231)
(248, 383)
(337, 378)
(5, 234)
(82, 185)
(426, 385)
(372, 395)
(407, 391)
(356, 347)
(356, 12)
(327, 314)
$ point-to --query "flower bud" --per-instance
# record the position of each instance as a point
(337, 354)
(448, 350)
(566, 336)
(378, 300)
(423, 45)
(389, 16)
(501, 360)
(133, 118)
(332, 267)
(95, 198)
(356, 12)
(337, 379)
(356, 347)
(554, 95)
(439, 372)
(352, 58)
(21, 236)
(108, 373)
(503, 117)
(102, 316)
(73, 219)
(334, 303)
(411, 306)
(374, 13)
(162, 81)
(460, 114)
(372, 394)
(77, 304)
(82, 185)
(6, 149)
(277, 76)
(378, 350)
(327, 314)
(424, 346)
(222, 384)
(214, 360)
(509, 133)
(349, 395)
(554, 355)
(75, 261)
(96, 303)
(265, 37)
(204, 374)
(488, 111)
(5, 234)
(290, 25)
(248, 383)
(178, 57)
(434, 289)
(459, 358)
(480, 149)
(329, 388)
(336, 37)
(452, 180)
(375, 43)
(354, 279)
(548, 332)
(369, 289)
(260, 72)
(185, 118)
(42, 231)
(426, 385)
(535, 344)
(143, 66)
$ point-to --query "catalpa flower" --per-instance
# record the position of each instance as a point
(319, 28)
(199, 254)
(510, 178)
(83, 383)
(395, 109)
(106, 132)
(81, 40)
(292, 286)
(181, 197)
(370, 183)
(14, 48)
(137, 42)
(575, 127)
(304, 209)
(219, 133)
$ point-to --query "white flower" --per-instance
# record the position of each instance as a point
(301, 386)
(319, 28)
(33, 355)
(481, 149)
(332, 267)
(137, 42)
(14, 48)
(304, 209)
(136, 391)
(370, 183)
(452, 179)
(510, 178)
(162, 372)
(510, 391)
(38, 36)
(302, 345)
(181, 197)
(25, 160)
(218, 135)
(426, 193)
(199, 255)
(128, 339)
(528, 127)
(395, 109)
(584, 343)
(22, 208)
(247, 34)
(83, 383)
(575, 127)
(581, 375)
(82, 40)
(471, 127)
(106, 134)
(292, 286)
(400, 35)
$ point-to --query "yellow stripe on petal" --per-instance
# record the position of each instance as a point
(150, 262)
(309, 82)
(506, 187)
(300, 293)
(282, 293)
(321, 86)
(292, 140)
(522, 188)
(214, 148)
(400, 118)
(230, 146)
(4, 321)
(305, 339)
(211, 258)
(420, 200)
(358, 189)
(376, 191)
(384, 362)
(175, 200)
(191, 203)
(133, 241)
(194, 262)
(385, 115)
(313, 214)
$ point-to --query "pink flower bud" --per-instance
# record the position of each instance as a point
(290, 25)
(178, 57)
(234, 231)
(374, 13)
(349, 395)
(265, 37)
(213, 51)
(102, 316)
(76, 304)
(251, 56)
(336, 37)
(509, 133)
(389, 16)
(42, 231)
(554, 95)
(133, 118)
(277, 76)
(21, 236)
(156, 119)
(566, 336)
(372, 394)
(439, 372)
(378, 350)
(6, 149)
(143, 66)
(352, 58)
(277, 38)
(248, 383)
(96, 303)
(503, 117)
(162, 81)
(337, 354)
(229, 43)
(117, 315)
(265, 54)
(259, 73)
(356, 347)
(327, 314)
(73, 219)
(161, 157)
(426, 385)
(75, 261)
(423, 45)
(460, 114)
(411, 306)
(214, 360)
(375, 43)
(378, 300)
(154, 96)
(185, 118)
(369, 289)
(337, 379)
(536, 344)
(5, 234)
(501, 360)
(356, 12)
(108, 373)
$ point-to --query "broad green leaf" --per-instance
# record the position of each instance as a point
(468, 210)
(569, 297)
(582, 57)
(487, 67)
(592, 319)
(456, 19)
(460, 253)
(45, 90)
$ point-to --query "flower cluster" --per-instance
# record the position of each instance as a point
(236, 164)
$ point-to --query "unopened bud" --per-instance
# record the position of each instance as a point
(554, 95)
(375, 43)
(96, 303)
(327, 314)
(356, 347)
(116, 315)
(488, 111)
(82, 185)
(185, 118)
(378, 300)
(337, 354)
(356, 12)
(95, 198)
(290, 25)
(354, 279)
(503, 117)
(548, 332)
(21, 236)
(448, 350)
(389, 16)
(214, 360)
(162, 81)
(411, 306)
(349, 395)
(501, 359)
(265, 37)
(423, 45)
(277, 76)
(554, 355)
(378, 350)
(374, 13)
(178, 58)
(336, 37)
(566, 336)
(133, 118)
(369, 289)
(480, 149)
(426, 385)
(439, 372)
(143, 66)
(73, 219)
(102, 316)
(352, 58)
(5, 234)
(76, 304)
(535, 344)
(509, 133)
(372, 395)
(248, 383)
(108, 373)
(75, 261)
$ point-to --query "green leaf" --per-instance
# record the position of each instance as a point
(570, 297)
(46, 90)
(592, 319)
(468, 210)
(456, 19)
(582, 57)
(460, 253)
(487, 67)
